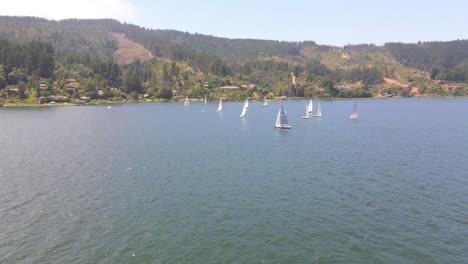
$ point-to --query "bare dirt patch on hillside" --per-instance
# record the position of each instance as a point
(129, 51)
(394, 82)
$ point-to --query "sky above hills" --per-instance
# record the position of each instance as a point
(331, 22)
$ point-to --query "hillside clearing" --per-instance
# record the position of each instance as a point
(129, 51)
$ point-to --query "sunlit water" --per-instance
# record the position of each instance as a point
(164, 183)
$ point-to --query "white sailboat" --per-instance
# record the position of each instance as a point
(319, 111)
(281, 121)
(355, 113)
(206, 100)
(265, 102)
(186, 102)
(244, 109)
(220, 105)
(307, 114)
(311, 106)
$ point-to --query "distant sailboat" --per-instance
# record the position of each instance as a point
(355, 113)
(220, 105)
(307, 114)
(319, 111)
(311, 106)
(281, 121)
(244, 109)
(186, 102)
(206, 100)
(265, 102)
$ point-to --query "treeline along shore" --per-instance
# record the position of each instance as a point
(99, 61)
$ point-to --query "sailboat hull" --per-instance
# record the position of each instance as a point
(284, 127)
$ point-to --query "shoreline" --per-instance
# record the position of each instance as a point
(228, 100)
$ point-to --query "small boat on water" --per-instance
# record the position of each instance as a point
(311, 106)
(244, 109)
(220, 105)
(186, 101)
(355, 113)
(109, 107)
(265, 102)
(319, 111)
(281, 120)
(307, 114)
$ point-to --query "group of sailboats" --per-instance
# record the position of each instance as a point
(310, 109)
(281, 119)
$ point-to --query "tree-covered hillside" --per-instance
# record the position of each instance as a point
(443, 60)
(77, 60)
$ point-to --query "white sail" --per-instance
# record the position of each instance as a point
(186, 102)
(247, 102)
(206, 100)
(244, 109)
(355, 113)
(220, 105)
(307, 114)
(281, 120)
(265, 102)
(319, 111)
(311, 106)
(278, 119)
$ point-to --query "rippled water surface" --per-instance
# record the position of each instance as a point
(164, 183)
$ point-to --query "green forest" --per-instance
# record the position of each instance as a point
(76, 61)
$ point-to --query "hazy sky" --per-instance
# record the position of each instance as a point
(326, 22)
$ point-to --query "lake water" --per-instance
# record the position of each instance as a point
(164, 183)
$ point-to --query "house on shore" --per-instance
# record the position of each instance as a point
(230, 88)
(452, 88)
(344, 87)
(242, 87)
(42, 99)
(85, 98)
(59, 98)
(42, 86)
(248, 87)
(71, 89)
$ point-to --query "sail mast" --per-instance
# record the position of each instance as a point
(355, 113)
(307, 114)
(220, 105)
(319, 110)
(244, 109)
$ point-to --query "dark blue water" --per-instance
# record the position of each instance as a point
(164, 183)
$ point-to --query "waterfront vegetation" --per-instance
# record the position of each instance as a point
(75, 61)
